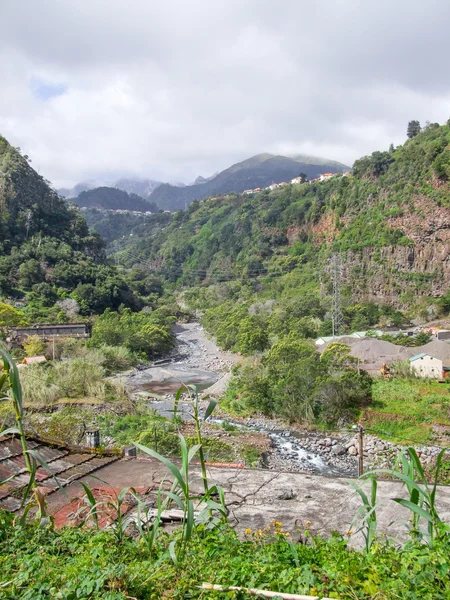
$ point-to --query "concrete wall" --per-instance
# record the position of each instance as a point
(428, 367)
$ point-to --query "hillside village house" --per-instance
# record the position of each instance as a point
(427, 366)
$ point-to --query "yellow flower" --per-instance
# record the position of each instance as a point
(349, 532)
(277, 524)
(248, 531)
(308, 523)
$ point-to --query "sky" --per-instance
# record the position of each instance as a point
(101, 89)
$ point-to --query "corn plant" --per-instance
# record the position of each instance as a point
(366, 514)
(10, 377)
(181, 494)
(422, 496)
(148, 529)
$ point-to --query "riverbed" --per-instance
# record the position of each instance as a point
(197, 360)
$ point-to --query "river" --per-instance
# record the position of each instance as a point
(198, 361)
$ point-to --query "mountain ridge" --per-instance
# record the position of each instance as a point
(256, 171)
(109, 198)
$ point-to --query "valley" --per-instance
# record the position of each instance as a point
(270, 334)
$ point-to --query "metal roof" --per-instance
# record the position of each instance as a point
(421, 355)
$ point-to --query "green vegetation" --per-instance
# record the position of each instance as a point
(10, 316)
(86, 563)
(114, 226)
(420, 339)
(144, 333)
(261, 256)
(47, 252)
(408, 410)
(294, 382)
(75, 563)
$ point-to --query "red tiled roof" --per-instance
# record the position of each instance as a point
(66, 465)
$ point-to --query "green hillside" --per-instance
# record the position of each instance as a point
(388, 224)
(47, 252)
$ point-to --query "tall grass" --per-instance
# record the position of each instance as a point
(81, 376)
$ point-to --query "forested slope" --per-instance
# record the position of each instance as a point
(388, 223)
(46, 249)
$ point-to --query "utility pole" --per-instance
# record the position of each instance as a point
(337, 318)
(360, 450)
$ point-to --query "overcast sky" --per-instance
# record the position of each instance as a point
(172, 89)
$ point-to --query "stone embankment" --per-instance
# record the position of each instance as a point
(342, 451)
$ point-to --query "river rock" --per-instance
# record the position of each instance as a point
(338, 450)
(287, 495)
(352, 451)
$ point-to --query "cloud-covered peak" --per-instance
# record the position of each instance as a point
(101, 89)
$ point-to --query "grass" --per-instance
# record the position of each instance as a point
(36, 564)
(406, 410)
(251, 455)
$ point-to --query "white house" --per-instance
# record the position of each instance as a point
(326, 176)
(425, 365)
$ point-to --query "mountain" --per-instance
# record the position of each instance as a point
(387, 225)
(112, 225)
(140, 187)
(109, 198)
(46, 249)
(258, 171)
(77, 189)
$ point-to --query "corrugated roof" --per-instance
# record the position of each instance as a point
(66, 465)
(421, 355)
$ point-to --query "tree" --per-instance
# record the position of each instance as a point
(252, 336)
(34, 346)
(303, 177)
(148, 333)
(30, 272)
(10, 316)
(414, 129)
(337, 357)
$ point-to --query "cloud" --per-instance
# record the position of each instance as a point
(176, 89)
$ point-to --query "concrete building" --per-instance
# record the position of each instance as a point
(49, 331)
(427, 366)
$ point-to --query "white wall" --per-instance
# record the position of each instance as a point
(427, 366)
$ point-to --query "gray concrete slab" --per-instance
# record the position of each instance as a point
(256, 498)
